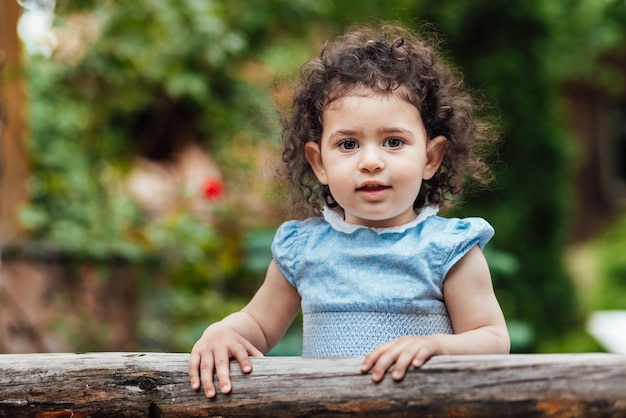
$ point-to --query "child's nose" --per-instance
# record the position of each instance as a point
(371, 160)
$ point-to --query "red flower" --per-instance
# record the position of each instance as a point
(213, 189)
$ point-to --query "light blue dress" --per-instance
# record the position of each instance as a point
(362, 287)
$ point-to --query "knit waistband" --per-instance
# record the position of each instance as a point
(354, 334)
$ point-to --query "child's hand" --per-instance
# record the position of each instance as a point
(212, 353)
(401, 353)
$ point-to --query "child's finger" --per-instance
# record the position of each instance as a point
(222, 370)
(401, 365)
(368, 363)
(422, 356)
(383, 363)
(253, 351)
(371, 358)
(194, 371)
(206, 375)
(241, 355)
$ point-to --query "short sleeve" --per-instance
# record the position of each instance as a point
(285, 249)
(465, 234)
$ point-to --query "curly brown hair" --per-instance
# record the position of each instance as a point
(394, 60)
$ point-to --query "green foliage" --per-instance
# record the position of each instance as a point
(162, 71)
(582, 35)
(610, 249)
(156, 76)
(75, 201)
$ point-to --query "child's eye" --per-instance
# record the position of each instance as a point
(348, 145)
(393, 142)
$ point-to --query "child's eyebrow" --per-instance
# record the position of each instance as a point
(393, 130)
(343, 133)
(385, 130)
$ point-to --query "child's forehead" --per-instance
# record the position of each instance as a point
(335, 101)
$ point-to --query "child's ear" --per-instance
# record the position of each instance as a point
(313, 155)
(435, 150)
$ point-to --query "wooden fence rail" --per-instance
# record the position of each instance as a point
(156, 385)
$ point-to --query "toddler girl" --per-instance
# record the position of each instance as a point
(380, 137)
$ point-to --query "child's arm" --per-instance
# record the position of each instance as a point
(477, 320)
(252, 331)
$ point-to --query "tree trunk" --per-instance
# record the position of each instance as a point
(13, 156)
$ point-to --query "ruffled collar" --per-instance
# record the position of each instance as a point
(335, 218)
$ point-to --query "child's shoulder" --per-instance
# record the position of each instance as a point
(291, 237)
(293, 229)
(457, 225)
(295, 225)
(471, 227)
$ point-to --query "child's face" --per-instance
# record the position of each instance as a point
(373, 155)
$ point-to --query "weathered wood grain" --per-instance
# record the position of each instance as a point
(156, 384)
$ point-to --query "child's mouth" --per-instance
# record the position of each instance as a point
(372, 188)
(373, 192)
